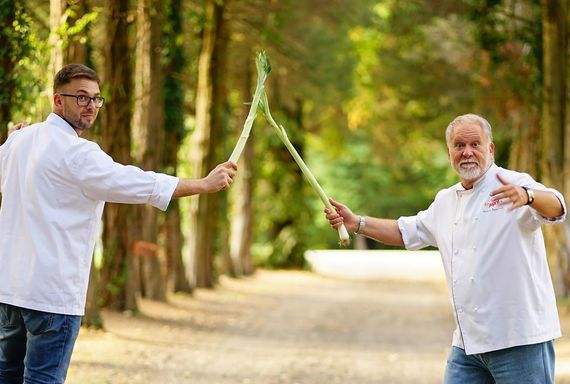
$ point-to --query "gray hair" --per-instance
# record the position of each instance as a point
(472, 118)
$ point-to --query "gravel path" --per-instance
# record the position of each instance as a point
(279, 327)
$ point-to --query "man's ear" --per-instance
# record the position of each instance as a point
(492, 148)
(57, 101)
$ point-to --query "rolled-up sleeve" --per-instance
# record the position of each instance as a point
(101, 178)
(414, 234)
(410, 234)
(419, 231)
(163, 190)
(550, 220)
(525, 180)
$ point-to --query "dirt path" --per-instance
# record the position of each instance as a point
(280, 327)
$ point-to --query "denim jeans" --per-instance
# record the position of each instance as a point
(529, 364)
(35, 347)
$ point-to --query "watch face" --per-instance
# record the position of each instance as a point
(530, 195)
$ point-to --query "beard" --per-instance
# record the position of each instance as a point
(76, 122)
(470, 169)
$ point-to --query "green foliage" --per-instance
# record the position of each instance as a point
(29, 50)
(19, 47)
(503, 29)
(174, 63)
(365, 89)
(75, 31)
(418, 66)
(359, 179)
(509, 36)
(281, 199)
(413, 76)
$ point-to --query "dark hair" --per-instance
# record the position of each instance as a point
(73, 71)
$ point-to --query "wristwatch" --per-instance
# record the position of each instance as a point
(530, 194)
(361, 225)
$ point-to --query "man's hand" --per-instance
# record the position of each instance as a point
(510, 193)
(16, 127)
(341, 215)
(220, 177)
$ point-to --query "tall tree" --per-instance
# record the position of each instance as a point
(69, 33)
(556, 122)
(221, 114)
(148, 133)
(76, 49)
(203, 158)
(175, 65)
(119, 273)
(241, 235)
(56, 59)
(8, 58)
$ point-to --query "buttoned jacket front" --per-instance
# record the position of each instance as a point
(494, 261)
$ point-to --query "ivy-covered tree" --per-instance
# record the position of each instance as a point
(14, 46)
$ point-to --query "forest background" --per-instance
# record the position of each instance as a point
(365, 89)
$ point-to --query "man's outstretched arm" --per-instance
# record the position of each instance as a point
(218, 179)
(385, 231)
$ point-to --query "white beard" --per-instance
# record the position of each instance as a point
(471, 173)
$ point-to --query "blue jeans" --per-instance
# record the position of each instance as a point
(35, 347)
(529, 364)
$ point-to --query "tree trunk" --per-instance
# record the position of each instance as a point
(76, 50)
(7, 63)
(148, 134)
(203, 214)
(220, 129)
(92, 317)
(56, 11)
(118, 291)
(177, 281)
(242, 217)
(526, 152)
(174, 133)
(555, 140)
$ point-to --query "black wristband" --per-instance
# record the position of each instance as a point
(530, 195)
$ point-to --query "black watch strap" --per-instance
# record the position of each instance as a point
(530, 195)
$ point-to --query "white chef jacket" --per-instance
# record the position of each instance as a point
(494, 261)
(54, 185)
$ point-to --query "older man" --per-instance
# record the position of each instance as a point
(488, 231)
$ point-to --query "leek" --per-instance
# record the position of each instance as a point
(280, 130)
(263, 68)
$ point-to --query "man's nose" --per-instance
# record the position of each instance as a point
(467, 151)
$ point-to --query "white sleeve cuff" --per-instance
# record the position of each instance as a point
(410, 233)
(163, 189)
(551, 220)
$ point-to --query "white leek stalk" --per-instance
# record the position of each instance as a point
(263, 68)
(264, 106)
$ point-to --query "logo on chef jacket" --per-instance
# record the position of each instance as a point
(492, 205)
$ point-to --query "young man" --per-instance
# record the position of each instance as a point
(487, 229)
(54, 185)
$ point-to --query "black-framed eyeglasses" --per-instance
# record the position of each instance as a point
(84, 100)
